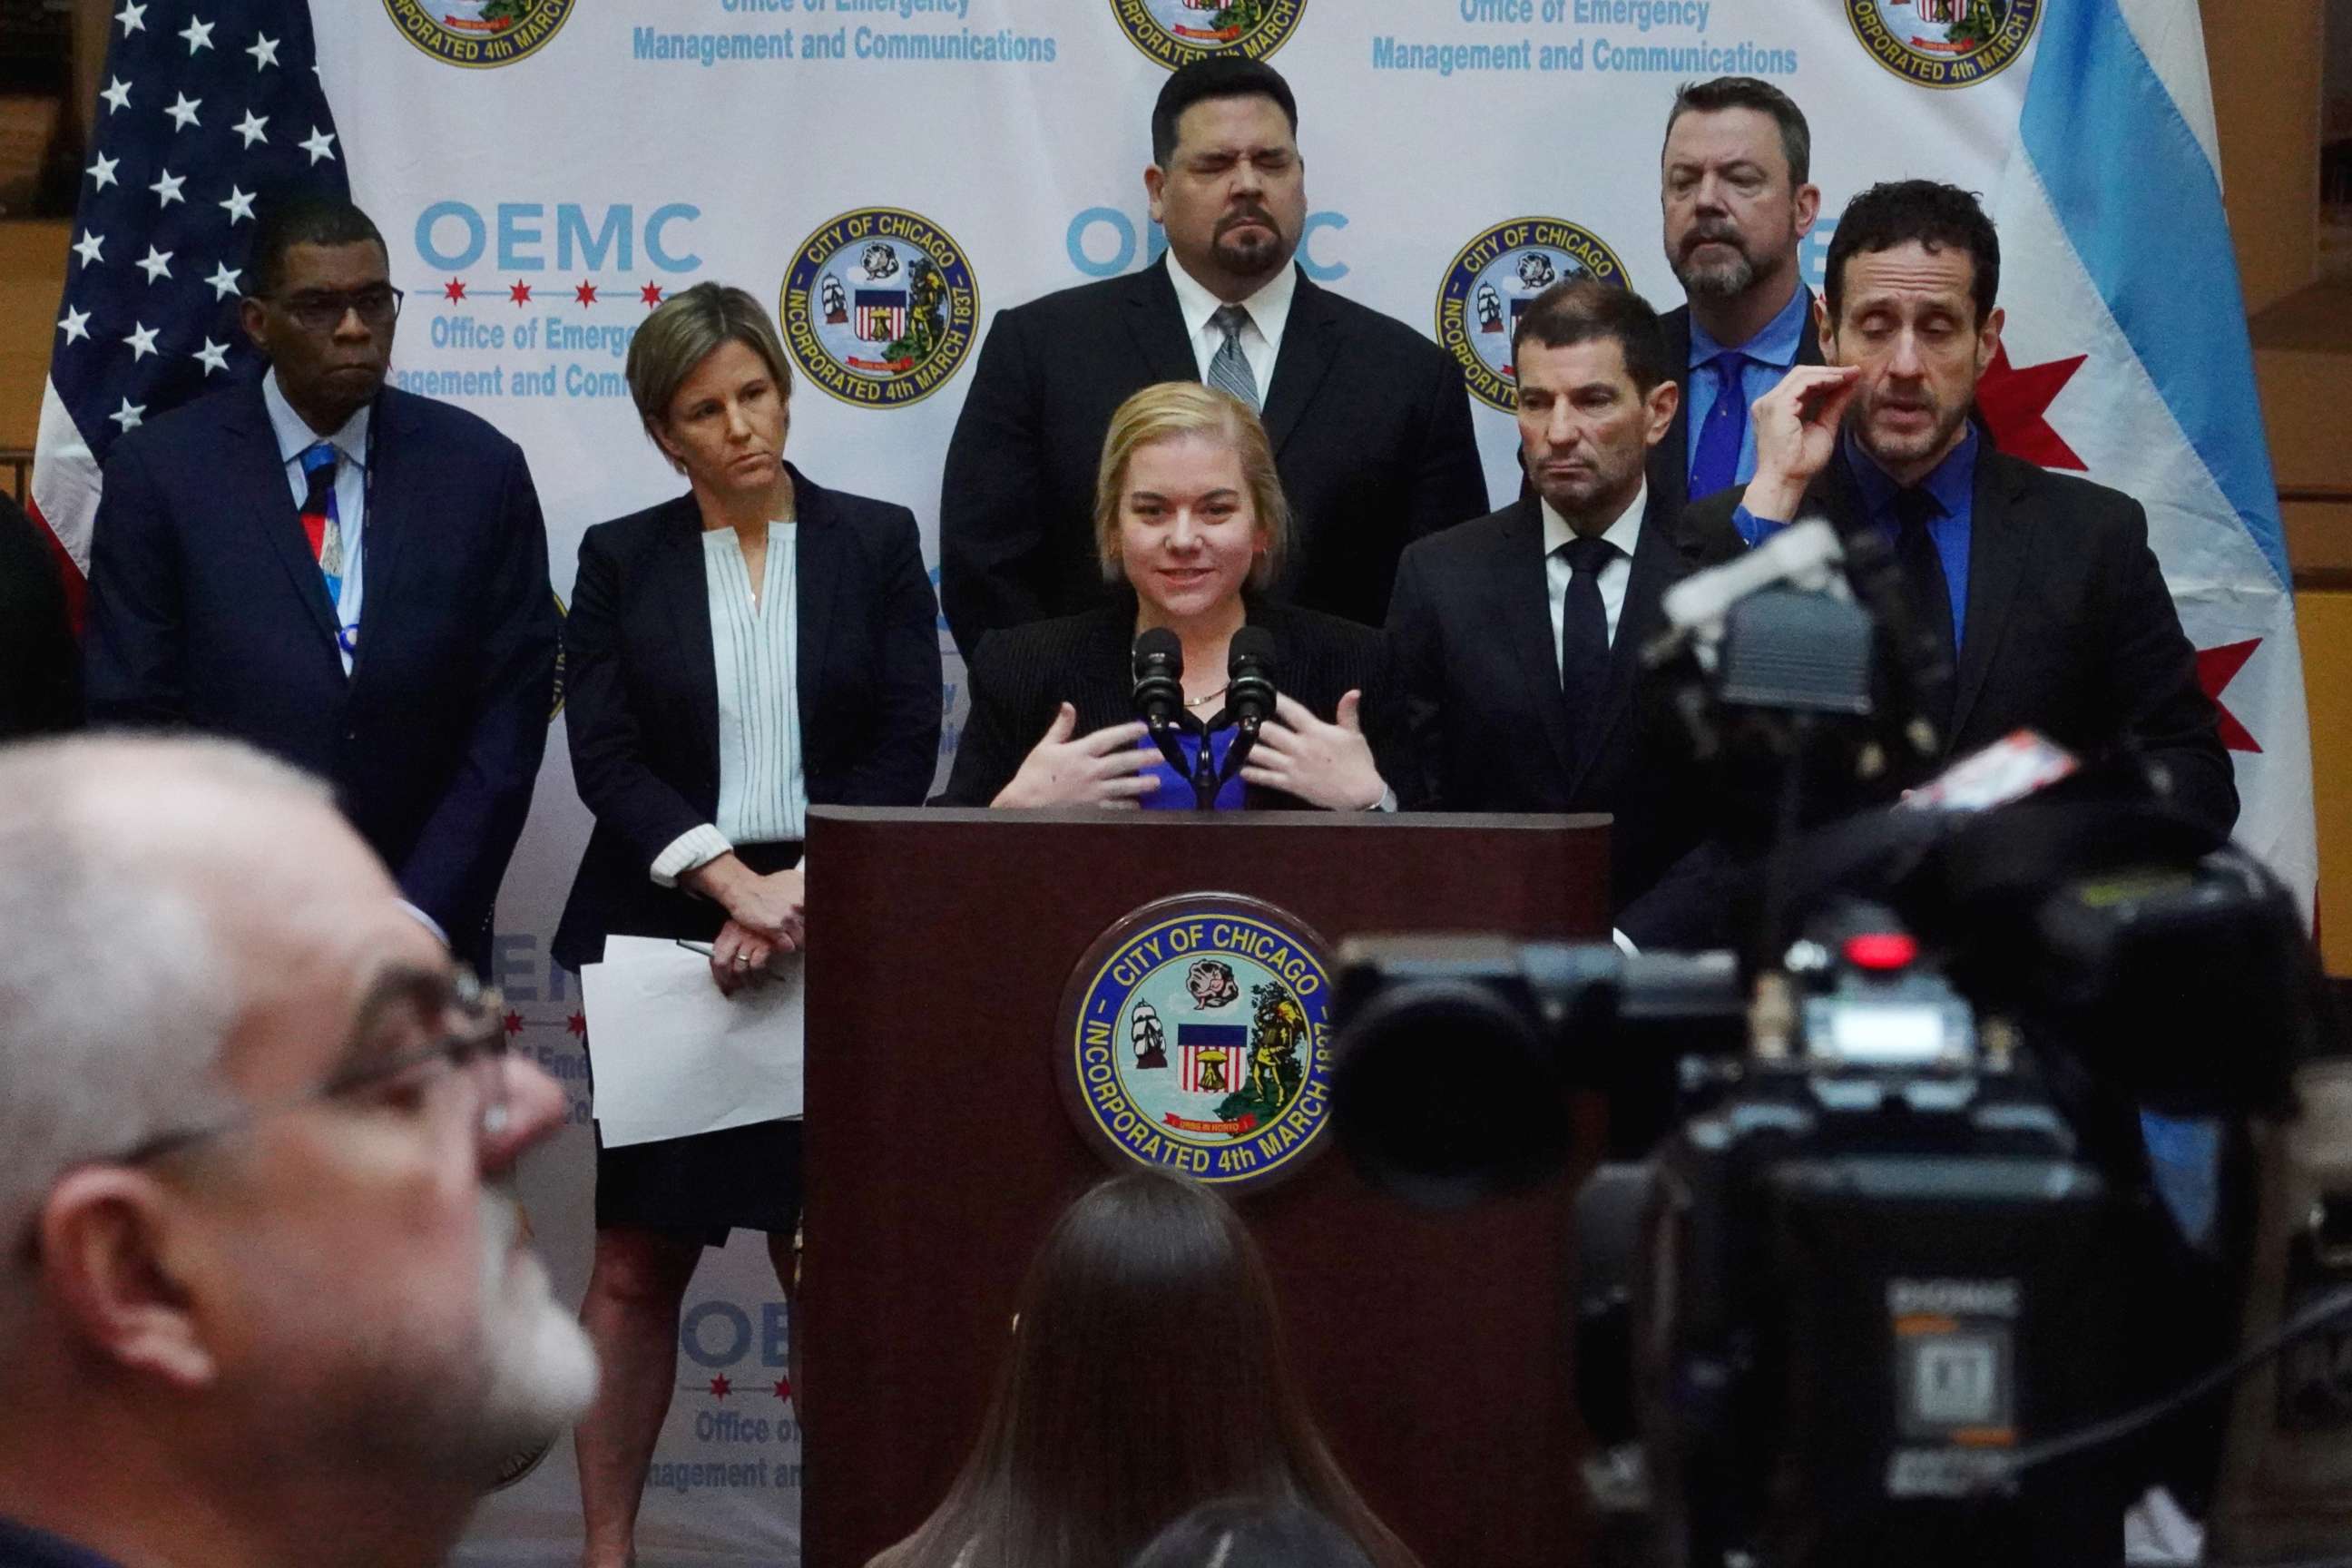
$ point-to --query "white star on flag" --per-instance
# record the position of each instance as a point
(321, 144)
(250, 128)
(133, 20)
(141, 341)
(117, 94)
(76, 325)
(128, 416)
(184, 113)
(223, 280)
(168, 188)
(264, 51)
(89, 248)
(239, 205)
(213, 355)
(199, 33)
(103, 171)
(157, 264)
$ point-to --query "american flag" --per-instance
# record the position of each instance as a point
(881, 314)
(210, 108)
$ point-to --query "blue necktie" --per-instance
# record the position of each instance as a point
(1714, 455)
(322, 524)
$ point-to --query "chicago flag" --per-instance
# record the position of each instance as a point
(2126, 358)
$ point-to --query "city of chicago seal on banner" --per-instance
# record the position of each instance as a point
(1194, 1037)
(879, 307)
(1174, 32)
(1944, 42)
(1488, 286)
(480, 33)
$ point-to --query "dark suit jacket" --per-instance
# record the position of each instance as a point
(1369, 421)
(1470, 633)
(1670, 458)
(206, 609)
(1019, 677)
(643, 710)
(40, 667)
(2070, 627)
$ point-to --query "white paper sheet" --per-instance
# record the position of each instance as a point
(672, 1057)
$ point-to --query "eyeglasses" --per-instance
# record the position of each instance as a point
(474, 1050)
(322, 310)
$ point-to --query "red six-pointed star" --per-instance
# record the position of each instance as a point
(453, 290)
(513, 1022)
(585, 293)
(519, 293)
(651, 294)
(720, 1387)
(2015, 401)
(576, 1025)
(2216, 668)
(784, 1388)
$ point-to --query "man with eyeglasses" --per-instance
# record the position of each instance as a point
(343, 573)
(263, 1297)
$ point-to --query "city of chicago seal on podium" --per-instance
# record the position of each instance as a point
(1490, 283)
(480, 33)
(1177, 32)
(879, 307)
(1944, 42)
(1193, 1036)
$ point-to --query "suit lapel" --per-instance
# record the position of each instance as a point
(1157, 324)
(262, 478)
(1523, 590)
(389, 517)
(679, 562)
(1997, 541)
(818, 576)
(1655, 561)
(1309, 343)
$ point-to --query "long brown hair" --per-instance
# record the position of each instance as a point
(1147, 1375)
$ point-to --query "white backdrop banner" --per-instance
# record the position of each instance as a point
(887, 173)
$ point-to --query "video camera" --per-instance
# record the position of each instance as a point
(1901, 1248)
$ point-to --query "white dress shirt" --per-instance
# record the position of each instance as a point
(296, 438)
(1268, 310)
(1625, 533)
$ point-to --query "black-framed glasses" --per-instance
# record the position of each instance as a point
(473, 1047)
(321, 310)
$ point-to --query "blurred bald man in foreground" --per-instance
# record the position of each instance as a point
(262, 1297)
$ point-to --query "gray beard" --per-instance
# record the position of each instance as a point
(1719, 280)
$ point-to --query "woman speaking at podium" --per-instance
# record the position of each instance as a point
(1191, 521)
(732, 655)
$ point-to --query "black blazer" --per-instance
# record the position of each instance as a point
(1019, 677)
(40, 667)
(1470, 633)
(1670, 458)
(2070, 629)
(1369, 421)
(207, 610)
(643, 710)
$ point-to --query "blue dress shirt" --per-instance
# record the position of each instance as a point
(1772, 354)
(1953, 484)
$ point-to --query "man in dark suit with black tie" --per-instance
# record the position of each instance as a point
(1517, 637)
(1734, 187)
(340, 573)
(1369, 421)
(2039, 587)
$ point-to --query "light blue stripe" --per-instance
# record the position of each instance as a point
(2139, 200)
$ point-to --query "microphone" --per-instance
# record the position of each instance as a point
(1249, 678)
(1160, 678)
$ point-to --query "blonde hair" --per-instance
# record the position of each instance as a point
(1167, 412)
(685, 329)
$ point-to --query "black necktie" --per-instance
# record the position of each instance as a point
(1923, 584)
(1584, 638)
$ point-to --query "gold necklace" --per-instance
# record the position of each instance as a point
(1212, 697)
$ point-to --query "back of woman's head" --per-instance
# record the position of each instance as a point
(1242, 1532)
(1147, 1375)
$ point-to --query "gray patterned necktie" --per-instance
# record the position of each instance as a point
(1229, 371)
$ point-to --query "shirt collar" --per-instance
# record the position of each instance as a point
(1624, 533)
(295, 436)
(1268, 309)
(1950, 481)
(1775, 343)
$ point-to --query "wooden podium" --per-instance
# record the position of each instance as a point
(1434, 1346)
